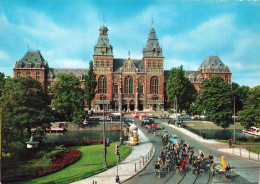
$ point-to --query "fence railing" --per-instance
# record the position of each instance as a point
(139, 165)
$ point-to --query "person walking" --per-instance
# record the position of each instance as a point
(230, 143)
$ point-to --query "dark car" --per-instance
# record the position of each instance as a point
(164, 117)
(153, 116)
(128, 120)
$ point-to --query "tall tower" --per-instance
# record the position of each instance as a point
(103, 67)
(153, 61)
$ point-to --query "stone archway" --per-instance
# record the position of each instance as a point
(141, 105)
(132, 105)
(124, 107)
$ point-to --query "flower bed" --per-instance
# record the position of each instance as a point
(61, 162)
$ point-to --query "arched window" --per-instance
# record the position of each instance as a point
(128, 85)
(149, 64)
(38, 76)
(97, 63)
(102, 84)
(19, 75)
(28, 74)
(154, 85)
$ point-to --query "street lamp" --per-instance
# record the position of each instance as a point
(121, 138)
(104, 134)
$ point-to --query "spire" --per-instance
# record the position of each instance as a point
(103, 47)
(152, 47)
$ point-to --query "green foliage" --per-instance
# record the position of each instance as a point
(25, 105)
(90, 85)
(241, 93)
(68, 98)
(249, 116)
(215, 100)
(2, 81)
(178, 85)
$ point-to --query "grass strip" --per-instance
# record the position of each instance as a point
(90, 163)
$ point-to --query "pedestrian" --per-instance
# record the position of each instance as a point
(117, 180)
(230, 143)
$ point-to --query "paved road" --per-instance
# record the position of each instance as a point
(244, 171)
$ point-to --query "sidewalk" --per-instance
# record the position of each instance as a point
(222, 147)
(138, 159)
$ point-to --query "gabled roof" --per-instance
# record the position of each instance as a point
(103, 47)
(152, 45)
(119, 63)
(194, 74)
(212, 62)
(56, 71)
(33, 57)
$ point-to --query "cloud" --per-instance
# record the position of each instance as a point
(4, 55)
(69, 63)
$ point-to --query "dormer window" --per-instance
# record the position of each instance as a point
(29, 65)
(199, 78)
(210, 69)
(79, 76)
(226, 69)
(19, 64)
(38, 65)
(218, 69)
(50, 76)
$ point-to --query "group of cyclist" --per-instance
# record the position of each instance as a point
(181, 155)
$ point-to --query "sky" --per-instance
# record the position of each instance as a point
(66, 31)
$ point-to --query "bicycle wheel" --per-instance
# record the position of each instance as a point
(202, 172)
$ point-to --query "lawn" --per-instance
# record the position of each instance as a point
(91, 161)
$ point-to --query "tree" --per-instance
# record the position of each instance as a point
(241, 94)
(2, 81)
(180, 86)
(25, 106)
(249, 116)
(90, 85)
(68, 99)
(215, 100)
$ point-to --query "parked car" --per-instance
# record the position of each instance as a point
(136, 116)
(196, 117)
(203, 117)
(114, 116)
(164, 117)
(154, 125)
(146, 121)
(174, 116)
(185, 117)
(128, 120)
(153, 116)
(151, 120)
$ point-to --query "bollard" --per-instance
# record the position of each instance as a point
(240, 151)
(148, 155)
(233, 151)
(143, 160)
(135, 167)
(258, 156)
(140, 164)
(249, 154)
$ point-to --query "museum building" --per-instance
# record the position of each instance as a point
(137, 84)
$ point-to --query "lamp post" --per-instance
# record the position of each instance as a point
(104, 134)
(234, 120)
(121, 137)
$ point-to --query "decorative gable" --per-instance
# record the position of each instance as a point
(129, 67)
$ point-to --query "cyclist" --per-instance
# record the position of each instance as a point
(227, 170)
(157, 167)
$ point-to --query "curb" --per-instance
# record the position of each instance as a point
(142, 168)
